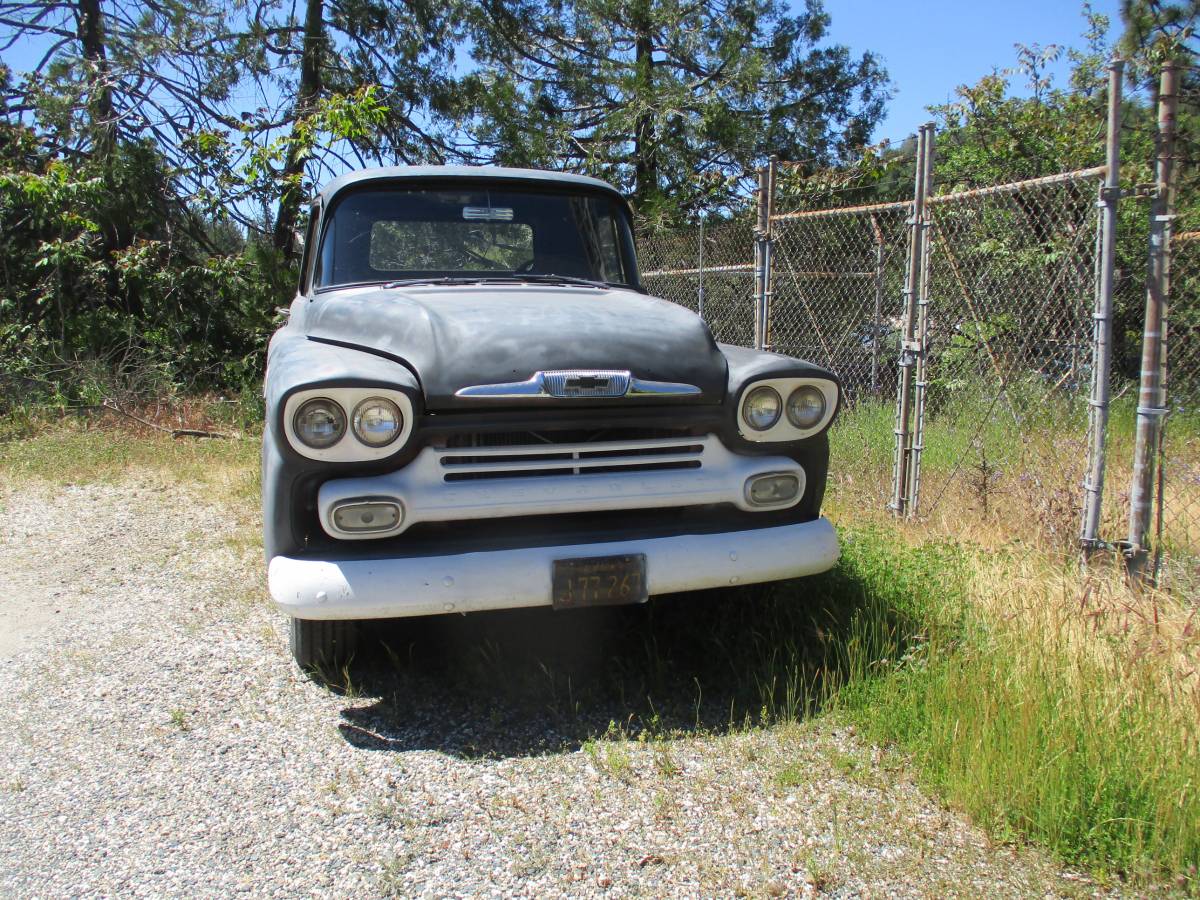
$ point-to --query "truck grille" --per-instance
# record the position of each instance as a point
(565, 454)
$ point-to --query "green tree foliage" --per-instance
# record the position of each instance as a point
(990, 134)
(675, 102)
(1156, 32)
(110, 73)
(156, 157)
(1020, 123)
(126, 161)
(149, 298)
(355, 82)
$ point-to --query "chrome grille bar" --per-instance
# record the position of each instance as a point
(575, 458)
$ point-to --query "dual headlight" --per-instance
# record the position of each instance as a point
(347, 424)
(787, 409)
(805, 407)
(320, 423)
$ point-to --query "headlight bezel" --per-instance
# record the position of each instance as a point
(348, 449)
(784, 429)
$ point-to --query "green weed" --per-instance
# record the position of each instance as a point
(1021, 714)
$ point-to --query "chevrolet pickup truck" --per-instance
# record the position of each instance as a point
(475, 404)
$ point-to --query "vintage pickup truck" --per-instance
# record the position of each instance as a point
(475, 404)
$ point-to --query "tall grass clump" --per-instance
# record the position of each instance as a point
(1050, 711)
(872, 612)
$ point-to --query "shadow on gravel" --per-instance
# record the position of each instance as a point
(530, 682)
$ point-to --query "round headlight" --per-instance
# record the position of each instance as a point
(761, 408)
(377, 421)
(806, 407)
(319, 423)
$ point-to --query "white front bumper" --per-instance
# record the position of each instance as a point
(506, 579)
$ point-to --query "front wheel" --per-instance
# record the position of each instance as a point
(322, 644)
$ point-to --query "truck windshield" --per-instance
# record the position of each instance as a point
(402, 234)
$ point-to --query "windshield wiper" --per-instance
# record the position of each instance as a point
(534, 277)
(436, 279)
(551, 278)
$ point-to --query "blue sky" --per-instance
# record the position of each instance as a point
(931, 47)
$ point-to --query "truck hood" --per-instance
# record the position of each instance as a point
(466, 335)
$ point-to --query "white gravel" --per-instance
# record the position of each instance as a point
(157, 741)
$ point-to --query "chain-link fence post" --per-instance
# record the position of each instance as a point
(700, 278)
(1110, 193)
(907, 360)
(761, 224)
(1152, 405)
(769, 266)
(921, 347)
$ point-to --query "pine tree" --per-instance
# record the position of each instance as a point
(673, 100)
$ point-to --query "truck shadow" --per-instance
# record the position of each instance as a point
(532, 682)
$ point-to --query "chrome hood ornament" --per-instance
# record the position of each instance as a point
(570, 384)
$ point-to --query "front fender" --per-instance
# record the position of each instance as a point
(296, 362)
(746, 366)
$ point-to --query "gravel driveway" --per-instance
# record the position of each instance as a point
(157, 741)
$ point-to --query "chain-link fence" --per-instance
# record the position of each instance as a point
(972, 330)
(836, 285)
(1179, 522)
(1011, 281)
(1177, 526)
(709, 268)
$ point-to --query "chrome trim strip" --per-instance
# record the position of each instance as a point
(566, 449)
(638, 387)
(574, 384)
(505, 391)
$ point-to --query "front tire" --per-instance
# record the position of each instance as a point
(322, 644)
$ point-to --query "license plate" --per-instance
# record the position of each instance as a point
(599, 581)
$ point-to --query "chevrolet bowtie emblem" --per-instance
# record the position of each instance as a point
(587, 382)
(578, 383)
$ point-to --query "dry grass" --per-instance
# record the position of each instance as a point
(1097, 614)
(73, 451)
(986, 481)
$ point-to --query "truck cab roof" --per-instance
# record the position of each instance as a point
(429, 173)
